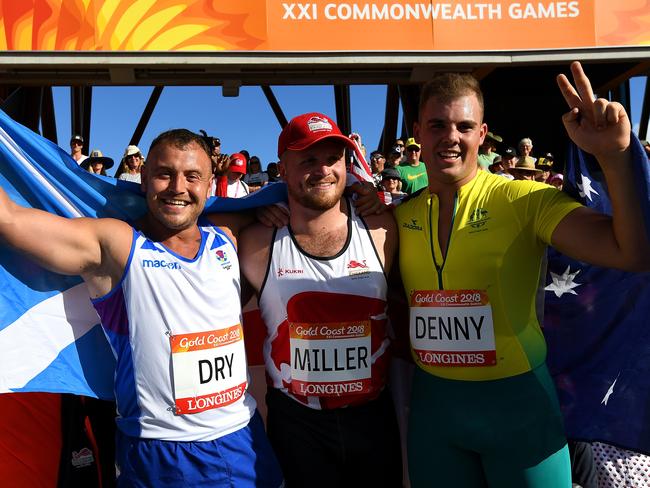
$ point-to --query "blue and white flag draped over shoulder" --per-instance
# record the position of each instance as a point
(50, 339)
(597, 325)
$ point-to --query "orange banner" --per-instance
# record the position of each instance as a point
(320, 25)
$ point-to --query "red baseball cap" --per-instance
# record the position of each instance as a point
(237, 163)
(306, 129)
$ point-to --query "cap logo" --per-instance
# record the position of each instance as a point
(317, 124)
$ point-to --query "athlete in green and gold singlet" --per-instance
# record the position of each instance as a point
(498, 238)
(484, 411)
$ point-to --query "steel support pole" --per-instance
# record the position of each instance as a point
(275, 106)
(342, 101)
(146, 115)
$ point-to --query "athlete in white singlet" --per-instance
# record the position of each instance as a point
(327, 342)
(323, 298)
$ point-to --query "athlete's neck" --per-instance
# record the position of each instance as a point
(321, 233)
(185, 242)
(446, 190)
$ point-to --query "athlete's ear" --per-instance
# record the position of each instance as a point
(210, 181)
(282, 170)
(483, 132)
(416, 131)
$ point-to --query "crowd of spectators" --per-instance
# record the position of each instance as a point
(396, 174)
(401, 172)
(236, 175)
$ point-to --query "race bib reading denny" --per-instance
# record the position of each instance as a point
(209, 369)
(330, 359)
(452, 328)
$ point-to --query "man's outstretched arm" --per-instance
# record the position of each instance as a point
(92, 248)
(602, 128)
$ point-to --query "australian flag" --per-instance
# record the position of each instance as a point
(50, 337)
(597, 325)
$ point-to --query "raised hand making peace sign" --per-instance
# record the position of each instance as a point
(596, 125)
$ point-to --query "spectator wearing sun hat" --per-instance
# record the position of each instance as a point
(131, 165)
(236, 186)
(487, 150)
(413, 172)
(97, 163)
(525, 169)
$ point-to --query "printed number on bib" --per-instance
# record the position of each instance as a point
(209, 369)
(330, 359)
(452, 328)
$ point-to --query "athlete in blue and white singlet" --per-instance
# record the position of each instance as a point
(174, 325)
(164, 295)
(169, 299)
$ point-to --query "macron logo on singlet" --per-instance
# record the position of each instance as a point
(159, 263)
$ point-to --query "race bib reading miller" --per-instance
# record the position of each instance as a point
(452, 328)
(330, 359)
(209, 369)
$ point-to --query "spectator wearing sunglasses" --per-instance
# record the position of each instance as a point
(412, 171)
(377, 164)
(76, 145)
(131, 165)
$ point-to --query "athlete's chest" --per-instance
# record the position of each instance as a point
(470, 237)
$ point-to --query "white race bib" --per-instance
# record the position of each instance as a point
(330, 359)
(209, 369)
(452, 328)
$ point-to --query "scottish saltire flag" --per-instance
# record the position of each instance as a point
(597, 325)
(49, 333)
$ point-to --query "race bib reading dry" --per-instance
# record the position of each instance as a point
(452, 328)
(330, 359)
(209, 369)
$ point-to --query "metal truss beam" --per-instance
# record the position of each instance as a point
(275, 106)
(146, 115)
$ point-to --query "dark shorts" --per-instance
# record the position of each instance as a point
(342, 447)
(243, 459)
(505, 433)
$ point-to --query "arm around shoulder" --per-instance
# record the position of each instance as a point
(255, 243)
(384, 233)
(232, 223)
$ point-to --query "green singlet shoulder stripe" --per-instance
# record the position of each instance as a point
(497, 243)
